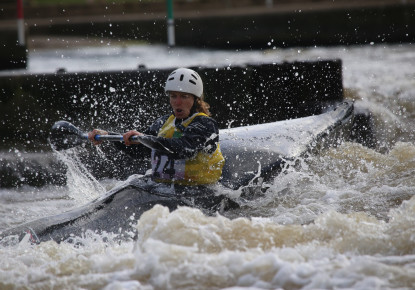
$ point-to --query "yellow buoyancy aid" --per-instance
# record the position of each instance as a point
(202, 169)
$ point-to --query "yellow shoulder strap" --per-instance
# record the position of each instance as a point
(167, 130)
(190, 119)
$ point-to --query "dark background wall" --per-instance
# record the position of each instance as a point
(389, 23)
(220, 24)
(30, 104)
(12, 55)
(117, 101)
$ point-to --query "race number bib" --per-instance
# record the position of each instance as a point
(166, 168)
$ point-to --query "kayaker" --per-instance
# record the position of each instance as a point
(189, 134)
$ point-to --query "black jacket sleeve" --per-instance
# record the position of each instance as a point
(154, 128)
(202, 134)
(138, 150)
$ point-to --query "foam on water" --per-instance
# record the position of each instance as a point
(186, 249)
(24, 204)
(346, 179)
(340, 219)
(336, 220)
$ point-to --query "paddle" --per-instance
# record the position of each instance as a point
(65, 135)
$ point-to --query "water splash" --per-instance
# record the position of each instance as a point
(343, 219)
(82, 185)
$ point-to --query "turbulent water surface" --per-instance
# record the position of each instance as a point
(341, 219)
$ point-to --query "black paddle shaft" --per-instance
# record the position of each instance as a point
(65, 135)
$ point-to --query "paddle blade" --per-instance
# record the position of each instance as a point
(152, 143)
(64, 135)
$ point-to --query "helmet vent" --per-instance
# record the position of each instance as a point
(192, 81)
(181, 77)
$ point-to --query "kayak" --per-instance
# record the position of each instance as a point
(115, 211)
(257, 150)
(250, 152)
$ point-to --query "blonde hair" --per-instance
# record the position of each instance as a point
(201, 106)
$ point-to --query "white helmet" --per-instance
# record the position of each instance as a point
(185, 80)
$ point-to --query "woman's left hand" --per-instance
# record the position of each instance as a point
(128, 135)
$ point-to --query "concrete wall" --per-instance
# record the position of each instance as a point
(348, 25)
(383, 23)
(12, 55)
(30, 104)
(93, 8)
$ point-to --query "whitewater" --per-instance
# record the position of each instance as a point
(343, 218)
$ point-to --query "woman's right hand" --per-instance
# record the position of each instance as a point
(91, 135)
(129, 134)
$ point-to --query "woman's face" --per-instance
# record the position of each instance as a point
(181, 104)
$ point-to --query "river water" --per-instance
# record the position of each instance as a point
(341, 219)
